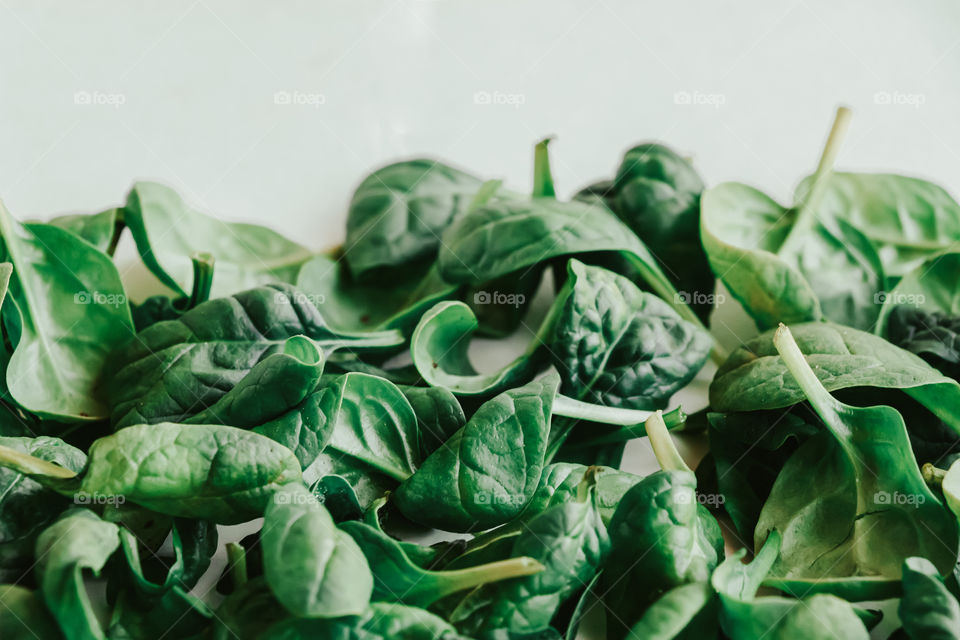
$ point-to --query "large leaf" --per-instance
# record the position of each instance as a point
(168, 232)
(70, 311)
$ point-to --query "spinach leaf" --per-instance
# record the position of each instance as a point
(314, 569)
(26, 508)
(931, 287)
(755, 377)
(168, 231)
(335, 493)
(440, 349)
(158, 308)
(656, 193)
(214, 472)
(571, 543)
(382, 621)
(850, 503)
(248, 612)
(489, 469)
(935, 337)
(927, 609)
(77, 542)
(616, 345)
(102, 230)
(397, 578)
(661, 537)
(351, 305)
(687, 612)
(399, 211)
(792, 264)
(743, 616)
(439, 415)
(23, 615)
(177, 368)
(70, 311)
(560, 484)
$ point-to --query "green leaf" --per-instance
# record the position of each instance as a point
(687, 612)
(175, 369)
(398, 212)
(489, 469)
(168, 231)
(382, 621)
(71, 312)
(850, 503)
(78, 542)
(927, 608)
(102, 230)
(618, 346)
(213, 472)
(314, 569)
(23, 615)
(755, 376)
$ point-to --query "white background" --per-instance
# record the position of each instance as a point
(185, 93)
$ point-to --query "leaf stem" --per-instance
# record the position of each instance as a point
(461, 579)
(663, 447)
(932, 475)
(32, 466)
(542, 176)
(237, 564)
(632, 418)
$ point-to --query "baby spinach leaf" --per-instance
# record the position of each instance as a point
(70, 311)
(616, 345)
(102, 230)
(399, 211)
(850, 503)
(248, 612)
(571, 543)
(168, 231)
(314, 569)
(214, 472)
(177, 368)
(158, 308)
(560, 483)
(26, 508)
(382, 621)
(656, 193)
(755, 376)
(743, 616)
(687, 612)
(77, 542)
(792, 264)
(398, 579)
(935, 337)
(927, 608)
(929, 289)
(489, 469)
(23, 615)
(439, 415)
(661, 537)
(351, 305)
(440, 350)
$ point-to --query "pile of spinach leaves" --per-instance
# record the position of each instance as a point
(329, 404)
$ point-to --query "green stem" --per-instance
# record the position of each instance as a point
(484, 194)
(202, 278)
(932, 475)
(119, 225)
(31, 466)
(663, 447)
(542, 176)
(633, 418)
(810, 200)
(674, 420)
(447, 582)
(237, 564)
